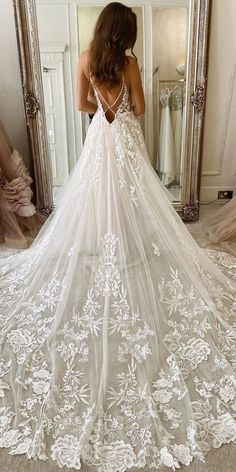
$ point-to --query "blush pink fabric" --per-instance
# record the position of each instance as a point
(17, 212)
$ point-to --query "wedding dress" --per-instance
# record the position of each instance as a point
(167, 150)
(117, 332)
(176, 120)
(183, 135)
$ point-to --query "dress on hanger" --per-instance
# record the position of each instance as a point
(176, 120)
(117, 333)
(183, 134)
(166, 152)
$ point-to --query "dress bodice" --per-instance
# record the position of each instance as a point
(165, 97)
(177, 98)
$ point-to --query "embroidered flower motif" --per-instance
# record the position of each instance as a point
(195, 351)
(41, 387)
(66, 451)
(20, 340)
(23, 447)
(107, 279)
(167, 459)
(223, 429)
(227, 393)
(227, 388)
(164, 391)
(9, 438)
(42, 374)
(182, 453)
(116, 456)
(163, 383)
(167, 390)
(6, 416)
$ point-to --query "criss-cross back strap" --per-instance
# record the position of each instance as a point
(109, 107)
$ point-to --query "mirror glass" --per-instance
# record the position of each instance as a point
(65, 29)
(170, 41)
(59, 51)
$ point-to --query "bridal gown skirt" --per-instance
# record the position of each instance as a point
(117, 333)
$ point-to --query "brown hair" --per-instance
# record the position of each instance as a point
(114, 33)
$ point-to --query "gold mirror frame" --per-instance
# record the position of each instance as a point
(28, 44)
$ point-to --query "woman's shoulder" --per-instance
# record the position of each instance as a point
(132, 67)
(84, 61)
(84, 55)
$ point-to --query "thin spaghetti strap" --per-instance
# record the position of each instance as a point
(121, 90)
(116, 100)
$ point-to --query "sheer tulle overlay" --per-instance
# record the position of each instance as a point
(117, 332)
(221, 227)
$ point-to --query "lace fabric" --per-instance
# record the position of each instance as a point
(177, 98)
(117, 332)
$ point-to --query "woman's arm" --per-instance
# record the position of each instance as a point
(84, 99)
(136, 88)
(91, 97)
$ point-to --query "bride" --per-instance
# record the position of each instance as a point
(117, 334)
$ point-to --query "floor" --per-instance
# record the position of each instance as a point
(217, 460)
(208, 208)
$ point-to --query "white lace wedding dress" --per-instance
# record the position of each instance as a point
(117, 332)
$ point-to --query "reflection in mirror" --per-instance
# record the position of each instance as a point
(170, 40)
(172, 50)
(87, 17)
(58, 43)
(59, 50)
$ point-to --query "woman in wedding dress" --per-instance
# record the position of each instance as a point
(117, 333)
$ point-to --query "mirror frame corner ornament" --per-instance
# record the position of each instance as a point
(30, 65)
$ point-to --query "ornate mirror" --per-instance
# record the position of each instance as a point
(172, 53)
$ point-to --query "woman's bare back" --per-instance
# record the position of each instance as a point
(112, 96)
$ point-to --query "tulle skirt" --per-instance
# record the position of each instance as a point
(117, 332)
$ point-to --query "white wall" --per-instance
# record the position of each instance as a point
(11, 101)
(58, 25)
(219, 144)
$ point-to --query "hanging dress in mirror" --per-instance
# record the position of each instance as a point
(166, 152)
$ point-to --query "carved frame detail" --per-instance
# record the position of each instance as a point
(30, 65)
(195, 107)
